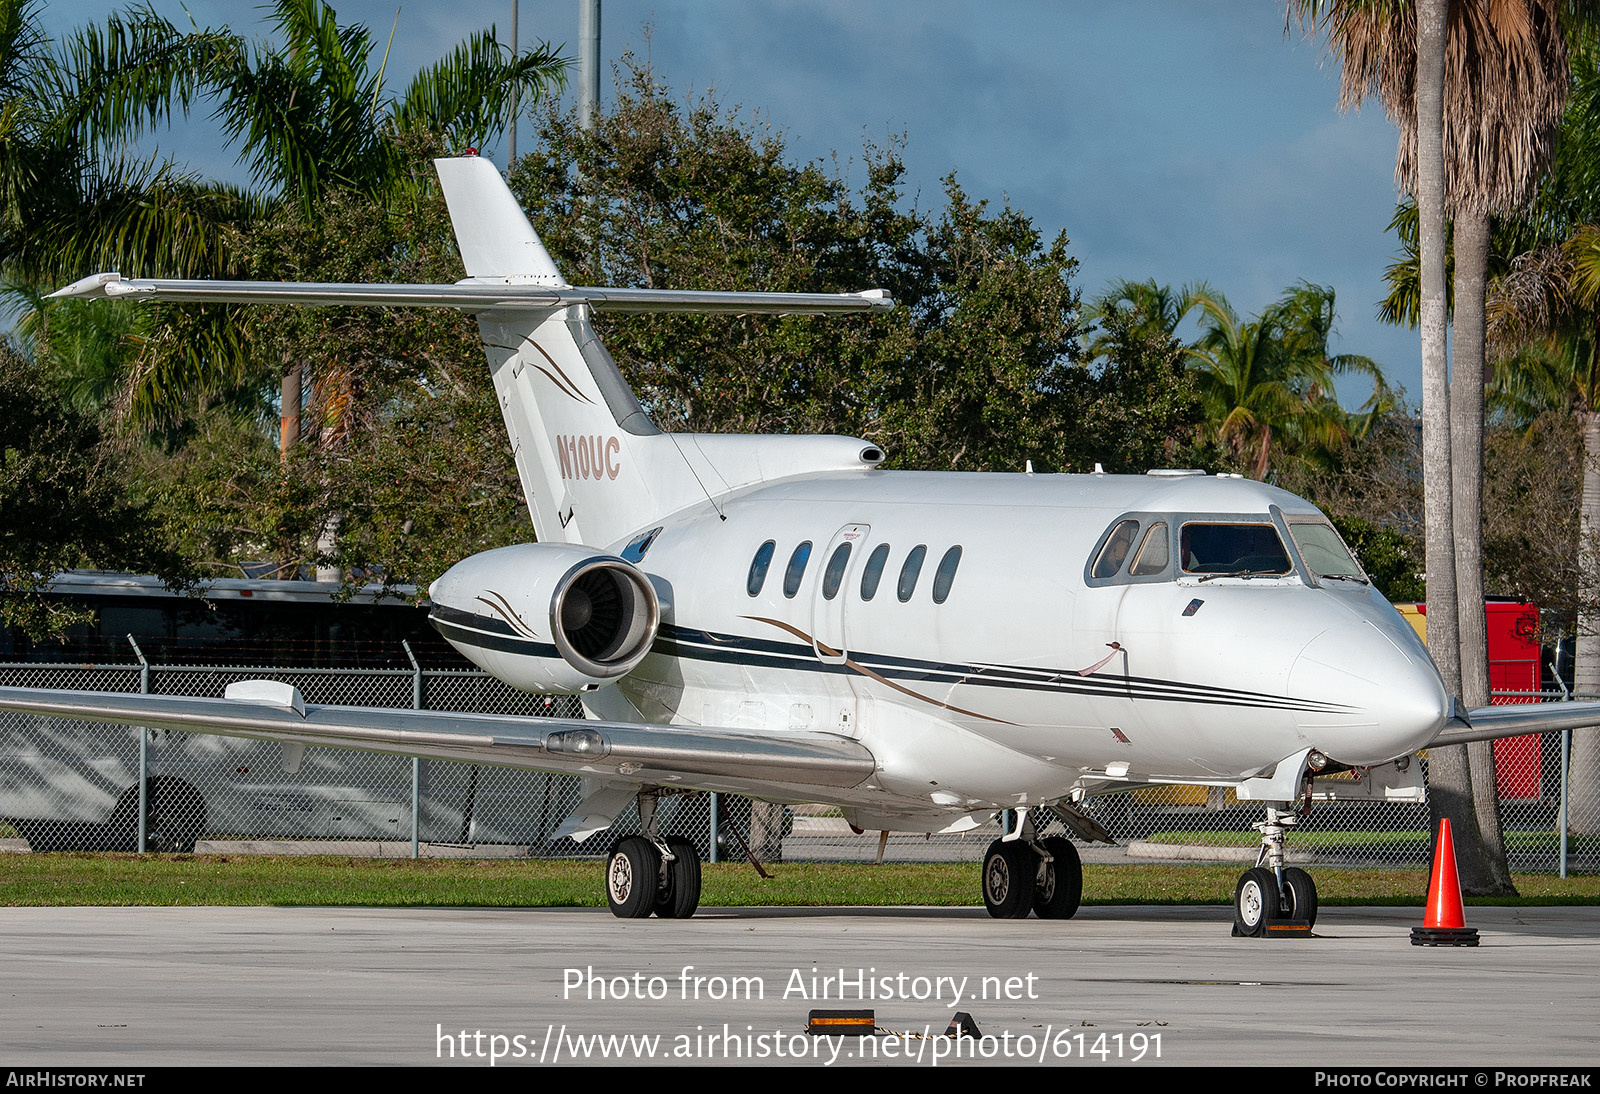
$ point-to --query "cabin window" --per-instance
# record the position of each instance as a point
(1108, 563)
(873, 573)
(1252, 550)
(910, 571)
(835, 571)
(796, 570)
(945, 574)
(1154, 552)
(758, 567)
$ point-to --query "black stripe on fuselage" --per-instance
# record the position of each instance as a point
(486, 633)
(771, 653)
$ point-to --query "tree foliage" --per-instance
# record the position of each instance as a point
(978, 368)
(64, 502)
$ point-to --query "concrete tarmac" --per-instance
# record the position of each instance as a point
(131, 987)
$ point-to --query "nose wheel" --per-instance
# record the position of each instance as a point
(1273, 900)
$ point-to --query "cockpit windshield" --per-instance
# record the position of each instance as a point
(1238, 550)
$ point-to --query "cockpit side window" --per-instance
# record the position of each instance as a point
(1324, 552)
(1108, 563)
(1241, 549)
(1154, 552)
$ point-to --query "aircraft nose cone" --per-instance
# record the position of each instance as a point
(1364, 698)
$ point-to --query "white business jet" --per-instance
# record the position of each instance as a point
(773, 616)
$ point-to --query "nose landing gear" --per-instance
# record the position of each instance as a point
(1272, 899)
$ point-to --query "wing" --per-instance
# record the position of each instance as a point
(1517, 720)
(472, 295)
(764, 764)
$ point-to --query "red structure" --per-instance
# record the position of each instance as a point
(1514, 666)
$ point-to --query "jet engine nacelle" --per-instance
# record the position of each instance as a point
(548, 617)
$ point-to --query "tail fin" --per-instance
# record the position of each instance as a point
(576, 428)
(494, 235)
(594, 467)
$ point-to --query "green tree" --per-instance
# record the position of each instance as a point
(64, 501)
(1268, 384)
(979, 368)
(310, 116)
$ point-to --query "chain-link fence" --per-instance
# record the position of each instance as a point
(75, 786)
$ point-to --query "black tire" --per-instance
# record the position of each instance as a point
(680, 896)
(1008, 879)
(633, 877)
(1058, 885)
(1303, 894)
(175, 817)
(1255, 902)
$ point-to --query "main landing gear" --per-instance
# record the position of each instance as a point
(1023, 873)
(1272, 899)
(650, 874)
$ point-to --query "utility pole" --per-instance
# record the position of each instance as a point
(588, 62)
(516, 105)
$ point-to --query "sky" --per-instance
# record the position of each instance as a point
(1180, 140)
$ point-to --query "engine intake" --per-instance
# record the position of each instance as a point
(604, 617)
(548, 617)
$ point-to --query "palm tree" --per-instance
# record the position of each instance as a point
(71, 201)
(310, 117)
(1544, 322)
(1153, 309)
(1268, 384)
(1477, 90)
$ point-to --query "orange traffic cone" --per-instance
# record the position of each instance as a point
(1445, 921)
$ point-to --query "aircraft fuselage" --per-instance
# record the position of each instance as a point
(955, 625)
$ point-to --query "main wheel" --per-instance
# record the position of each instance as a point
(1058, 885)
(1303, 894)
(175, 817)
(680, 896)
(1008, 879)
(633, 877)
(1255, 902)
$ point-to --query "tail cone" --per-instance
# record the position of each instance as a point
(1445, 921)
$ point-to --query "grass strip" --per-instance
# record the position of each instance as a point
(332, 881)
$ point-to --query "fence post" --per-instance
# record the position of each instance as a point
(1566, 753)
(144, 745)
(416, 763)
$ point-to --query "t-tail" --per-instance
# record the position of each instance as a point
(594, 467)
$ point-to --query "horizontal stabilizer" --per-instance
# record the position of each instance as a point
(472, 296)
(1517, 720)
(641, 754)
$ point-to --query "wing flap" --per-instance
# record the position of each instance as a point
(636, 752)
